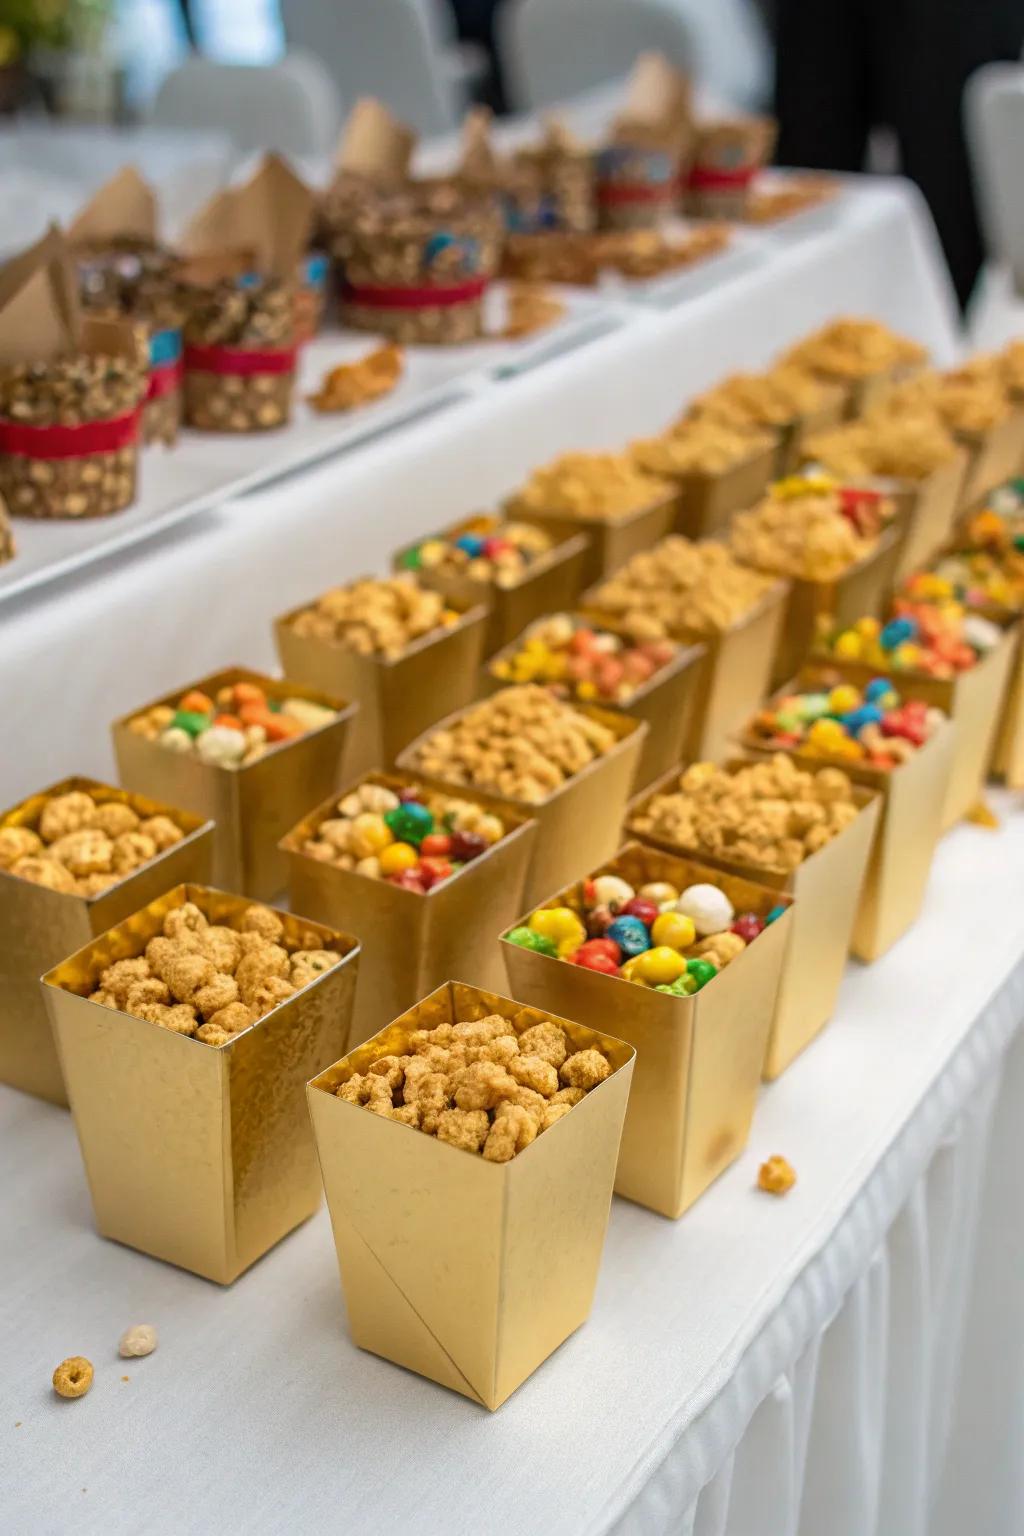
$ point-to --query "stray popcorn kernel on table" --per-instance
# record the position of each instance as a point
(376, 616)
(483, 1085)
(82, 844)
(776, 1176)
(236, 728)
(209, 980)
(353, 384)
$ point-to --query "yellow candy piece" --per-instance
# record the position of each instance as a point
(848, 645)
(907, 654)
(630, 969)
(794, 486)
(561, 926)
(868, 627)
(658, 967)
(843, 699)
(370, 834)
(396, 857)
(826, 731)
(673, 929)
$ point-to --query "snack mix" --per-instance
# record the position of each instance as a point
(581, 259)
(701, 445)
(377, 616)
(850, 349)
(938, 639)
(81, 844)
(672, 941)
(522, 743)
(872, 726)
(210, 980)
(679, 587)
(604, 486)
(810, 528)
(969, 400)
(768, 815)
(581, 661)
(775, 398)
(416, 838)
(482, 549)
(233, 729)
(484, 1085)
(975, 576)
(903, 448)
(259, 315)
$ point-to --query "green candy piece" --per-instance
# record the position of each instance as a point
(412, 560)
(538, 942)
(683, 986)
(191, 720)
(789, 721)
(702, 971)
(411, 822)
(813, 706)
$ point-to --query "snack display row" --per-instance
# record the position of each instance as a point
(639, 940)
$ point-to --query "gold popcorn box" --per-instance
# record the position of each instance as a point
(734, 675)
(38, 927)
(196, 1154)
(708, 500)
(930, 507)
(411, 942)
(973, 700)
(868, 391)
(864, 588)
(826, 890)
(993, 457)
(466, 1271)
(792, 436)
(397, 699)
(252, 806)
(611, 541)
(698, 1059)
(909, 827)
(550, 582)
(577, 825)
(1008, 761)
(667, 702)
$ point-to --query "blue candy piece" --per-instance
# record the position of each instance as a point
(877, 689)
(857, 719)
(471, 543)
(776, 912)
(897, 632)
(631, 935)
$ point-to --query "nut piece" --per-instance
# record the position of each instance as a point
(73, 1377)
(139, 1340)
(776, 1176)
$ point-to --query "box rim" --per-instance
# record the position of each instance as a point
(561, 552)
(684, 477)
(778, 592)
(593, 520)
(475, 613)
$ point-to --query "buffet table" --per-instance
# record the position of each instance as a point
(835, 1362)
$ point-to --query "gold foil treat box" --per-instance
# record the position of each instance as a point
(612, 539)
(467, 1271)
(411, 941)
(198, 1154)
(39, 925)
(699, 1058)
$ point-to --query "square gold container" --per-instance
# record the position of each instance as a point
(865, 393)
(734, 675)
(38, 927)
(667, 702)
(549, 583)
(577, 825)
(254, 806)
(611, 540)
(930, 507)
(1008, 760)
(197, 1154)
(412, 942)
(826, 889)
(863, 588)
(469, 1272)
(698, 1059)
(993, 457)
(827, 415)
(909, 828)
(397, 699)
(973, 700)
(707, 501)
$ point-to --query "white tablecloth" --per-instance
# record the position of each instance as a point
(836, 1363)
(86, 650)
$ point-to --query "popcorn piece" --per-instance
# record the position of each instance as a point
(85, 852)
(536, 1073)
(552, 1113)
(261, 920)
(162, 830)
(221, 945)
(137, 1341)
(776, 1176)
(218, 993)
(307, 964)
(115, 818)
(512, 1131)
(584, 1069)
(18, 843)
(213, 1034)
(186, 919)
(119, 978)
(267, 994)
(181, 1018)
(185, 973)
(482, 1085)
(465, 1128)
(130, 849)
(233, 1019)
(141, 993)
(66, 813)
(546, 1041)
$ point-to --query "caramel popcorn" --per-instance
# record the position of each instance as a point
(972, 399)
(593, 485)
(495, 1104)
(82, 845)
(851, 349)
(776, 1176)
(772, 399)
(702, 445)
(679, 588)
(768, 815)
(906, 448)
(807, 536)
(530, 308)
(353, 384)
(521, 743)
(377, 616)
(196, 978)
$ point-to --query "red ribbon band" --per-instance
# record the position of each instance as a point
(610, 192)
(706, 178)
(165, 380)
(69, 442)
(414, 298)
(239, 360)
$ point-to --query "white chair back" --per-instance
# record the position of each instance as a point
(292, 106)
(393, 49)
(994, 120)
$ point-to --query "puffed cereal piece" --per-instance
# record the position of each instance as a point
(86, 852)
(233, 1019)
(95, 885)
(362, 1088)
(18, 843)
(267, 994)
(162, 830)
(501, 1050)
(405, 1114)
(464, 1128)
(185, 973)
(776, 1176)
(421, 1040)
(512, 1131)
(259, 966)
(527, 1098)
(569, 1096)
(141, 993)
(308, 964)
(552, 1113)
(104, 998)
(585, 1069)
(432, 1096)
(186, 919)
(390, 1067)
(73, 1377)
(66, 813)
(212, 1034)
(817, 838)
(219, 993)
(482, 1085)
(115, 818)
(130, 850)
(119, 978)
(220, 945)
(545, 1040)
(536, 1073)
(180, 1019)
(261, 920)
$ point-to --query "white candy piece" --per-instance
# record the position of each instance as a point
(140, 1340)
(709, 908)
(221, 745)
(176, 740)
(309, 715)
(662, 893)
(981, 632)
(611, 889)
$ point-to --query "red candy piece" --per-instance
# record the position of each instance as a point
(433, 870)
(748, 925)
(594, 960)
(640, 907)
(602, 947)
(436, 845)
(495, 545)
(408, 880)
(465, 846)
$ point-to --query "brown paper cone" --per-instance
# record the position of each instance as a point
(123, 208)
(374, 144)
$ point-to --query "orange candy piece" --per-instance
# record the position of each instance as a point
(248, 693)
(195, 702)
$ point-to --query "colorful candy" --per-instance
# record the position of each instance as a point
(936, 638)
(871, 726)
(233, 729)
(580, 661)
(482, 549)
